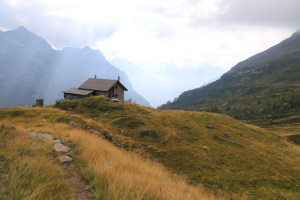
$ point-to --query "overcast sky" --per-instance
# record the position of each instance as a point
(187, 33)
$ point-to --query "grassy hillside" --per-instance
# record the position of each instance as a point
(230, 158)
(261, 89)
(29, 169)
(215, 150)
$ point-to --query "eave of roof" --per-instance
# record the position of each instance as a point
(122, 86)
(78, 91)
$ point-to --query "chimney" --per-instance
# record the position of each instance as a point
(118, 78)
(95, 76)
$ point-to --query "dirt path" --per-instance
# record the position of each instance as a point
(80, 189)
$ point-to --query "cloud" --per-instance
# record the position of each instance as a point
(65, 32)
(185, 32)
(250, 12)
(60, 31)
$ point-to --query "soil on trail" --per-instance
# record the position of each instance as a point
(80, 189)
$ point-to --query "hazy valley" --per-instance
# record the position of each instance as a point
(193, 147)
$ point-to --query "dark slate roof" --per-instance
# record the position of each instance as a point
(78, 91)
(100, 84)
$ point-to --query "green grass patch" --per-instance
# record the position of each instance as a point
(294, 138)
(151, 134)
(17, 113)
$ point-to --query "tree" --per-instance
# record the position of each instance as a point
(214, 109)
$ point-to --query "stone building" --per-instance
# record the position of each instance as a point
(97, 87)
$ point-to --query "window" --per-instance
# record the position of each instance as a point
(116, 87)
(116, 95)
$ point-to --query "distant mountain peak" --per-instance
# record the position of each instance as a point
(24, 32)
(87, 48)
(297, 34)
(22, 28)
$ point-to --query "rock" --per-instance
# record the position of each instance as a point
(226, 135)
(69, 109)
(115, 143)
(138, 151)
(105, 114)
(111, 136)
(65, 159)
(39, 135)
(95, 131)
(204, 154)
(73, 124)
(251, 146)
(204, 147)
(56, 140)
(60, 148)
(195, 138)
(83, 120)
(209, 126)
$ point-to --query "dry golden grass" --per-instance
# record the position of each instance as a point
(242, 160)
(27, 168)
(129, 177)
(114, 173)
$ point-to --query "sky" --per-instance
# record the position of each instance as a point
(187, 33)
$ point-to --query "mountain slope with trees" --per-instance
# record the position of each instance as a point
(262, 89)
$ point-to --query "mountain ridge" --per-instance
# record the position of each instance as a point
(30, 68)
(275, 50)
(263, 87)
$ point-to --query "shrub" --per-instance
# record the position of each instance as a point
(152, 134)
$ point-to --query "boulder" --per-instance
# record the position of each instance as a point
(65, 159)
(60, 148)
(94, 131)
(73, 124)
(138, 151)
(39, 135)
(209, 126)
(56, 140)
